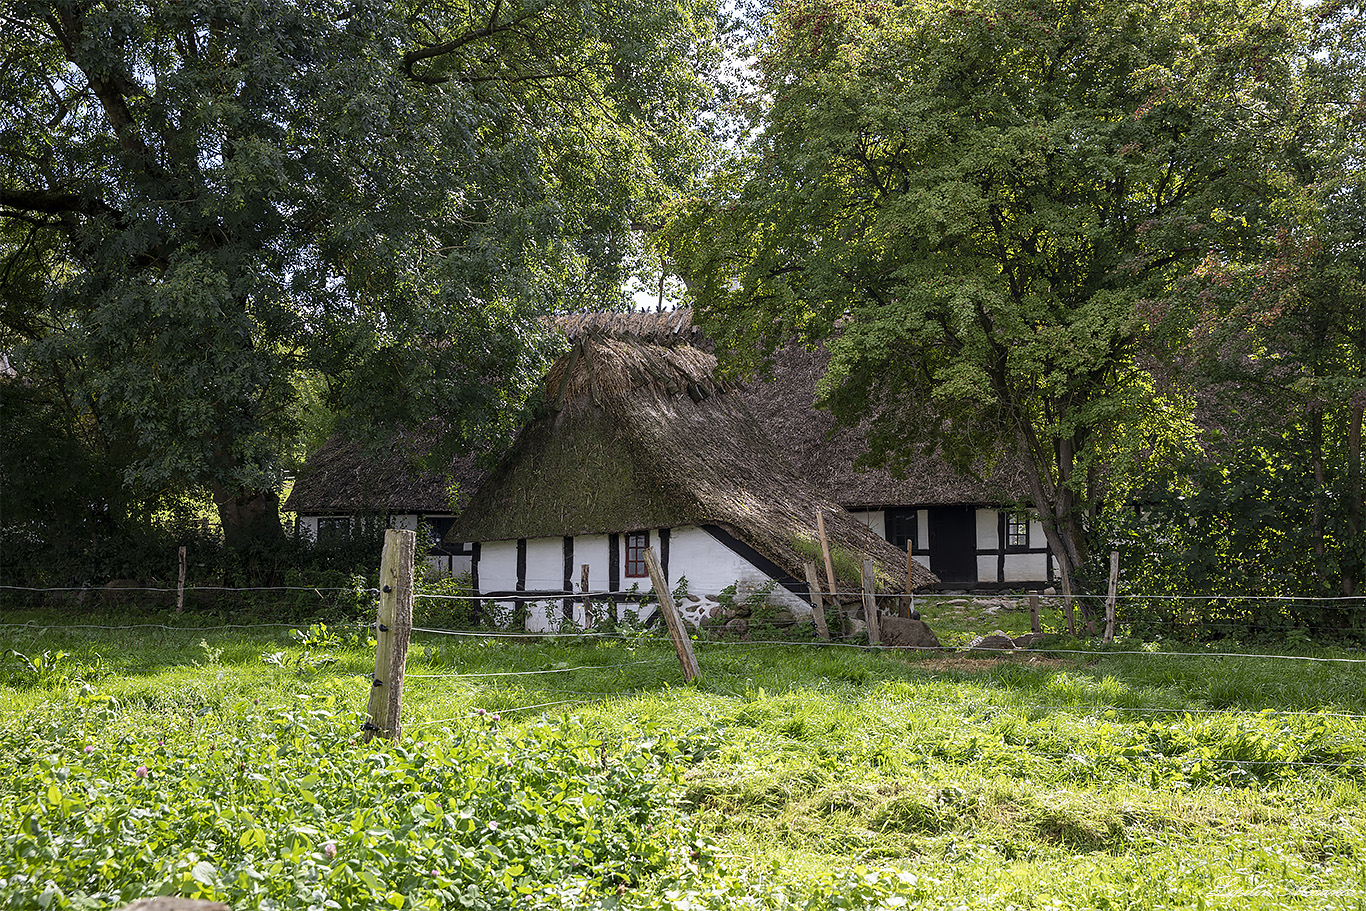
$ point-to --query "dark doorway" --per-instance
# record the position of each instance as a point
(953, 544)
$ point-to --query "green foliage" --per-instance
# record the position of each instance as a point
(292, 811)
(983, 211)
(220, 223)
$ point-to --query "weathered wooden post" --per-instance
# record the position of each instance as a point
(587, 604)
(393, 630)
(180, 586)
(813, 585)
(908, 609)
(870, 603)
(830, 573)
(1034, 614)
(682, 644)
(1110, 598)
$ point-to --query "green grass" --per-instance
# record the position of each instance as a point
(806, 776)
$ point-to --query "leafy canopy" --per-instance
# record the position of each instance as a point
(985, 209)
(205, 207)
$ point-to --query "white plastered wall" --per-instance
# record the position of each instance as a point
(988, 534)
(708, 565)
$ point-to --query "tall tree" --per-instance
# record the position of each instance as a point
(983, 210)
(201, 203)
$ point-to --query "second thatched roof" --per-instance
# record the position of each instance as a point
(639, 435)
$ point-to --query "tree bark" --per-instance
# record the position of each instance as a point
(250, 518)
(1350, 567)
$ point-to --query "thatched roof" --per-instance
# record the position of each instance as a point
(825, 454)
(345, 478)
(638, 436)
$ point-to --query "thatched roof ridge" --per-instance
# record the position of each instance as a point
(825, 454)
(640, 436)
(659, 327)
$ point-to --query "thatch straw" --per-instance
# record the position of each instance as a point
(640, 436)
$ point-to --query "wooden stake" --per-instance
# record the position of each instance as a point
(583, 589)
(908, 609)
(180, 586)
(394, 629)
(1034, 614)
(830, 573)
(1071, 617)
(682, 644)
(813, 585)
(870, 603)
(1110, 598)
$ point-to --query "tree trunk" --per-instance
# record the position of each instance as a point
(1351, 566)
(1061, 533)
(1316, 441)
(250, 518)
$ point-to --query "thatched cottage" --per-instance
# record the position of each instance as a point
(971, 532)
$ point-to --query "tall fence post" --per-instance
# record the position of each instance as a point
(583, 589)
(1110, 598)
(1034, 626)
(870, 603)
(682, 644)
(393, 630)
(830, 573)
(180, 585)
(813, 585)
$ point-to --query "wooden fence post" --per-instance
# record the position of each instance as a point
(1110, 598)
(830, 573)
(870, 603)
(583, 589)
(1071, 617)
(180, 586)
(394, 629)
(682, 644)
(908, 609)
(1034, 614)
(813, 585)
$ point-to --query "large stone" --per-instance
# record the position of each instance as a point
(903, 633)
(1028, 640)
(996, 640)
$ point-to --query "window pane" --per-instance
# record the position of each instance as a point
(636, 542)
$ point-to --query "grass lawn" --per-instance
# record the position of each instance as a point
(221, 763)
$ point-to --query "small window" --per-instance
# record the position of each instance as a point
(1017, 533)
(636, 542)
(900, 525)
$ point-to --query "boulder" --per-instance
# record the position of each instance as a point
(1028, 640)
(997, 640)
(738, 626)
(903, 633)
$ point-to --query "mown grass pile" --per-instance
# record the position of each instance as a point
(225, 764)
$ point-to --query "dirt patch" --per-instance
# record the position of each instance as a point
(977, 664)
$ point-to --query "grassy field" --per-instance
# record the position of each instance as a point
(580, 772)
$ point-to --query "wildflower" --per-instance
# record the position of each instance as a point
(495, 716)
(140, 771)
(493, 825)
(90, 748)
(479, 711)
(330, 848)
(435, 873)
